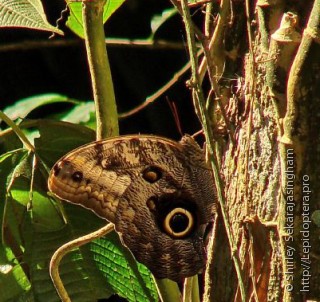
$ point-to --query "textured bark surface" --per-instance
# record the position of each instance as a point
(275, 130)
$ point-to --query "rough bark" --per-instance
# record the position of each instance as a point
(271, 171)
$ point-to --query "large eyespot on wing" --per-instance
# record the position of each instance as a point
(169, 245)
(164, 256)
(179, 223)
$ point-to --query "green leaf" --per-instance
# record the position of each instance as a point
(83, 113)
(8, 165)
(13, 280)
(127, 277)
(82, 279)
(25, 13)
(24, 106)
(57, 138)
(93, 271)
(120, 271)
(45, 213)
(75, 22)
(158, 20)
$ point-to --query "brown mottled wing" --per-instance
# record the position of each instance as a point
(107, 178)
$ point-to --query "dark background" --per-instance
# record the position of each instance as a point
(137, 72)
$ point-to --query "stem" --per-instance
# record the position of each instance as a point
(106, 116)
(102, 85)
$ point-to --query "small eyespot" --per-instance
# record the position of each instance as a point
(179, 223)
(152, 174)
(77, 176)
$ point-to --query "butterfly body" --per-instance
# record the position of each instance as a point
(157, 192)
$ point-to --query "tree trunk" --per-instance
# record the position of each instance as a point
(269, 154)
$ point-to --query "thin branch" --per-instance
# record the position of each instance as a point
(178, 5)
(110, 42)
(158, 93)
(216, 42)
(208, 19)
(210, 258)
(147, 43)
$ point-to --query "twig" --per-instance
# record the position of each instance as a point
(200, 104)
(216, 42)
(158, 93)
(149, 100)
(311, 33)
(66, 248)
(214, 77)
(178, 5)
(110, 42)
(17, 131)
(208, 20)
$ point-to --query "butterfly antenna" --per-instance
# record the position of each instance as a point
(175, 114)
(197, 133)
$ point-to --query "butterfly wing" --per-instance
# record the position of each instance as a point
(157, 193)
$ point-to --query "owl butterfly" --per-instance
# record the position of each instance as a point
(158, 193)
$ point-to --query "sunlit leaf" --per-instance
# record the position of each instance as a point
(57, 138)
(13, 282)
(25, 13)
(23, 107)
(158, 20)
(121, 272)
(82, 279)
(75, 22)
(83, 113)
